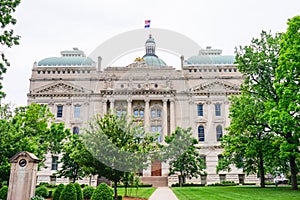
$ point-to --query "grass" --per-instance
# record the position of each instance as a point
(236, 192)
(143, 192)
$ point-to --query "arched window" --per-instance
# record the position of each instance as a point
(219, 132)
(201, 136)
(138, 112)
(75, 130)
(155, 112)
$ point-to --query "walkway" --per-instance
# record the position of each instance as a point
(163, 193)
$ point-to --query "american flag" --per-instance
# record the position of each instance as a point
(147, 23)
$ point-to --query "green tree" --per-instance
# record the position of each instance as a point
(113, 146)
(28, 129)
(70, 168)
(7, 36)
(42, 192)
(183, 155)
(58, 192)
(69, 193)
(78, 191)
(102, 192)
(284, 116)
(249, 144)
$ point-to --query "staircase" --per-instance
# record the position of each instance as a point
(156, 181)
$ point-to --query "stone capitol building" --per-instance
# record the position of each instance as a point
(76, 88)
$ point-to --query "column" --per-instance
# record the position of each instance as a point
(104, 106)
(129, 107)
(112, 105)
(165, 119)
(172, 116)
(68, 114)
(147, 114)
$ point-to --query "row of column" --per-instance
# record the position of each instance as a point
(147, 113)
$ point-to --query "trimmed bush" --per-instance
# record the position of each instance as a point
(87, 192)
(188, 185)
(37, 198)
(78, 191)
(58, 192)
(68, 193)
(3, 192)
(103, 192)
(41, 191)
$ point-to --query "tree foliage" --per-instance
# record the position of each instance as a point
(113, 146)
(103, 192)
(78, 191)
(87, 192)
(69, 193)
(7, 36)
(28, 129)
(183, 155)
(57, 192)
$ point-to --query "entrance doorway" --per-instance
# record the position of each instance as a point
(156, 168)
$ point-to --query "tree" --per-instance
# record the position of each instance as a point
(113, 146)
(69, 192)
(103, 192)
(28, 129)
(249, 144)
(58, 191)
(284, 116)
(183, 155)
(7, 37)
(70, 168)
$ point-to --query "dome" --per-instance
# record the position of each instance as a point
(73, 57)
(210, 59)
(154, 61)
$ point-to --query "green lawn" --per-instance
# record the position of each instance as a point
(235, 192)
(143, 192)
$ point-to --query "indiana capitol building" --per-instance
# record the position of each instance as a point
(76, 88)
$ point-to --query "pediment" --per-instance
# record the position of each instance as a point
(61, 87)
(215, 87)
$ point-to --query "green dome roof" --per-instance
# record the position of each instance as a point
(66, 61)
(73, 57)
(211, 59)
(154, 61)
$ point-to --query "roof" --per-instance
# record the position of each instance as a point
(73, 57)
(153, 60)
(211, 59)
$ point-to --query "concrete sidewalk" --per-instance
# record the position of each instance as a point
(163, 193)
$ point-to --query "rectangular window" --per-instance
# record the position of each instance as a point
(54, 163)
(77, 111)
(157, 129)
(59, 111)
(218, 109)
(203, 179)
(200, 110)
(222, 177)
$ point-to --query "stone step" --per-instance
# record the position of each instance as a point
(156, 181)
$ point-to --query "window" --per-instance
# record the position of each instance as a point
(52, 180)
(157, 129)
(218, 109)
(121, 112)
(54, 163)
(75, 130)
(200, 109)
(220, 157)
(203, 179)
(203, 158)
(77, 111)
(222, 177)
(155, 113)
(59, 111)
(219, 132)
(201, 137)
(138, 112)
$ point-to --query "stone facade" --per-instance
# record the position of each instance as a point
(161, 96)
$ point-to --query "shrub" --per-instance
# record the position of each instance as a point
(103, 192)
(37, 198)
(58, 192)
(42, 192)
(69, 193)
(3, 192)
(43, 184)
(87, 192)
(78, 191)
(188, 185)
(120, 197)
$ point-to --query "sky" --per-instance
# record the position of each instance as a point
(48, 27)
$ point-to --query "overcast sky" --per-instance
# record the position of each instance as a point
(48, 27)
